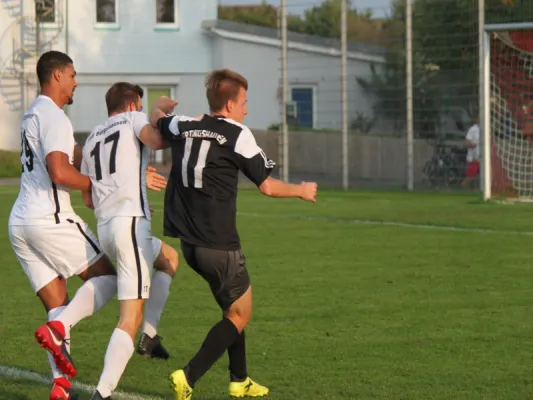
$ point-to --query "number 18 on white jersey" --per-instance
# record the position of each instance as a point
(116, 160)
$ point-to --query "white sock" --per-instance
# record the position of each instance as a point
(154, 306)
(89, 298)
(52, 315)
(116, 359)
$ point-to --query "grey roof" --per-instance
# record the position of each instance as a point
(263, 31)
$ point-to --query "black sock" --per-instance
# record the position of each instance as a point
(219, 338)
(237, 359)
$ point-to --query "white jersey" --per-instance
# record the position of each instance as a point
(45, 128)
(116, 160)
(473, 136)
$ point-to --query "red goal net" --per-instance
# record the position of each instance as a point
(511, 114)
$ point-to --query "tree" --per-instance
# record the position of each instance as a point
(445, 68)
(445, 35)
(263, 14)
(321, 20)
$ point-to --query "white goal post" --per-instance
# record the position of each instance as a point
(507, 115)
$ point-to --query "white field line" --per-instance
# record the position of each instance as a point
(25, 375)
(357, 221)
(386, 223)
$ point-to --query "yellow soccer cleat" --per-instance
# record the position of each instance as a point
(179, 384)
(248, 388)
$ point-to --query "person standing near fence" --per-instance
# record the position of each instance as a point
(472, 143)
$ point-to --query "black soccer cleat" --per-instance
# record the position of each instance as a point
(152, 347)
(98, 396)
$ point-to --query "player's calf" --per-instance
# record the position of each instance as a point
(165, 265)
(120, 347)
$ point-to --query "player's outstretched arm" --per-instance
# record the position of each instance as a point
(151, 137)
(254, 163)
(63, 173)
(275, 188)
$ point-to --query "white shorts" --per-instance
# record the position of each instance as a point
(129, 241)
(48, 251)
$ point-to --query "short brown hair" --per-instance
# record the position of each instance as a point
(223, 85)
(121, 95)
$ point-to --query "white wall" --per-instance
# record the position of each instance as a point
(135, 50)
(323, 72)
(258, 64)
(262, 67)
(9, 118)
(89, 107)
(136, 44)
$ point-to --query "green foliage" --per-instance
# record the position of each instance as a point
(362, 123)
(262, 15)
(9, 164)
(321, 20)
(445, 65)
(445, 34)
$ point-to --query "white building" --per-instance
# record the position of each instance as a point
(168, 47)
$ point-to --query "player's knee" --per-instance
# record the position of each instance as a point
(131, 316)
(167, 261)
(173, 259)
(102, 267)
(240, 311)
(239, 320)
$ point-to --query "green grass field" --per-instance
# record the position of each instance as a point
(361, 296)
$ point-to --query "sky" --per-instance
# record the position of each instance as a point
(380, 8)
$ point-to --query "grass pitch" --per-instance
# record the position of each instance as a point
(363, 295)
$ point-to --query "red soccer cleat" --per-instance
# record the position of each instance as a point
(62, 390)
(51, 337)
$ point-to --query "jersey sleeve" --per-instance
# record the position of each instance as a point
(251, 159)
(169, 126)
(55, 135)
(138, 120)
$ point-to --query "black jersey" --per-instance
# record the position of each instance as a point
(201, 193)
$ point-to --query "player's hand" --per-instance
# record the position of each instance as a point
(87, 199)
(154, 181)
(165, 104)
(309, 190)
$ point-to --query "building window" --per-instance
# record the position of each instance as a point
(167, 12)
(303, 97)
(106, 11)
(45, 10)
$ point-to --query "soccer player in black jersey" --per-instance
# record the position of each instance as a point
(200, 208)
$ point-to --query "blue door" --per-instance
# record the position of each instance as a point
(304, 98)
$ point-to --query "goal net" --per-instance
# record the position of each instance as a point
(511, 115)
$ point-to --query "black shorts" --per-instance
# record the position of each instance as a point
(224, 271)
